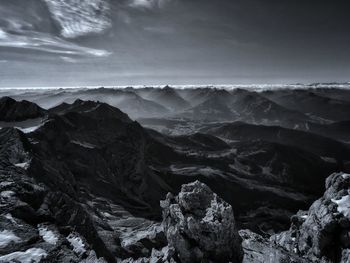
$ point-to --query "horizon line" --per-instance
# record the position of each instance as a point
(256, 85)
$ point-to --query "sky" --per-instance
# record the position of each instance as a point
(58, 43)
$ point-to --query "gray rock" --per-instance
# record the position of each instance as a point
(322, 234)
(200, 226)
(261, 250)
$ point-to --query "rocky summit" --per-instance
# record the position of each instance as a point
(84, 182)
(322, 234)
(200, 226)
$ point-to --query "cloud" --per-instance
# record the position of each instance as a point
(32, 30)
(159, 29)
(148, 4)
(46, 43)
(3, 34)
(68, 59)
(73, 19)
(80, 17)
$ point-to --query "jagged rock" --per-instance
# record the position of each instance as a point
(142, 242)
(200, 226)
(165, 255)
(12, 110)
(29, 220)
(322, 234)
(258, 249)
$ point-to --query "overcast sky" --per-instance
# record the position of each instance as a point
(129, 42)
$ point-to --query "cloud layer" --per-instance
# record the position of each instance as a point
(22, 24)
(46, 43)
(80, 17)
(29, 25)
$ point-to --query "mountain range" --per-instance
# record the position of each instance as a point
(76, 165)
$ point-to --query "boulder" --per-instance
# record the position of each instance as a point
(200, 226)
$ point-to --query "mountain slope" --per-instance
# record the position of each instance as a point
(311, 103)
(319, 145)
(244, 106)
(12, 110)
(167, 97)
(128, 101)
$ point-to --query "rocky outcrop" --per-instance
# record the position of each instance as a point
(12, 110)
(200, 226)
(258, 249)
(77, 173)
(322, 234)
(30, 230)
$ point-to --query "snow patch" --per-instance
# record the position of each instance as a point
(48, 235)
(29, 129)
(6, 183)
(208, 171)
(7, 237)
(24, 165)
(133, 237)
(13, 221)
(343, 205)
(32, 255)
(77, 243)
(7, 194)
(345, 176)
(106, 214)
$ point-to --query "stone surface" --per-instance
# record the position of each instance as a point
(322, 233)
(200, 226)
(258, 249)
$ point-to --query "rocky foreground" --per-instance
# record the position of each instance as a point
(84, 184)
(40, 225)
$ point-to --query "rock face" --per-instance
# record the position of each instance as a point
(200, 226)
(261, 250)
(30, 229)
(323, 233)
(12, 110)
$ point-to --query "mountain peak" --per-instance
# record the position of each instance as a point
(12, 110)
(93, 109)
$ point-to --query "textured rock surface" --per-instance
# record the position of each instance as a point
(261, 250)
(29, 230)
(323, 233)
(199, 226)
